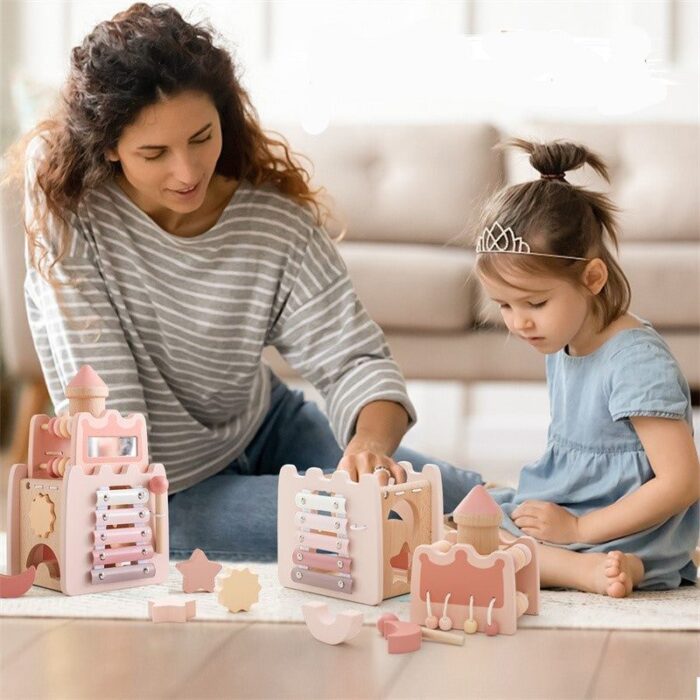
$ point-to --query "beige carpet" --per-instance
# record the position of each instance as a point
(667, 610)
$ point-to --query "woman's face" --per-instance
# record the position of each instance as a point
(168, 154)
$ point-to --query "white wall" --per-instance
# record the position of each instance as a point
(415, 60)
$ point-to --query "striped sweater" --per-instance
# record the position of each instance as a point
(176, 326)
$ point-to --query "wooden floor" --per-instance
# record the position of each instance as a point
(70, 659)
(120, 659)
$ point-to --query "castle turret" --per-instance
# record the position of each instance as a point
(86, 392)
(478, 518)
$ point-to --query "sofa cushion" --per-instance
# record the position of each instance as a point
(490, 355)
(405, 183)
(412, 287)
(653, 173)
(665, 282)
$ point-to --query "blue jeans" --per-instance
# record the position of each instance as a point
(232, 515)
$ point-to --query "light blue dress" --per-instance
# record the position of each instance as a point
(594, 457)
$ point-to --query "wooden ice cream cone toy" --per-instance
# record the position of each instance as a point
(478, 519)
(86, 392)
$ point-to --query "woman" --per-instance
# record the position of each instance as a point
(170, 240)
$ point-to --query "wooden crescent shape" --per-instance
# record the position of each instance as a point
(17, 585)
(329, 628)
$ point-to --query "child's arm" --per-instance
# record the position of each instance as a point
(671, 452)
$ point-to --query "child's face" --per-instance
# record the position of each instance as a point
(547, 312)
(169, 153)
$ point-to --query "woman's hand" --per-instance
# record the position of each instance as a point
(547, 522)
(359, 460)
(380, 427)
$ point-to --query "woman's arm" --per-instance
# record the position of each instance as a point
(380, 427)
(671, 452)
(324, 332)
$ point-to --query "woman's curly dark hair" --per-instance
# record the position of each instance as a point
(141, 56)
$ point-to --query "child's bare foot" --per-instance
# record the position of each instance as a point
(614, 574)
(618, 574)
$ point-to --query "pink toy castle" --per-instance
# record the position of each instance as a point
(474, 581)
(88, 510)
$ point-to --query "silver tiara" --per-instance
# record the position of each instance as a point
(499, 240)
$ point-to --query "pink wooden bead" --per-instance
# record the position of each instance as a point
(492, 629)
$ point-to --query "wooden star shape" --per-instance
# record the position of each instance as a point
(198, 573)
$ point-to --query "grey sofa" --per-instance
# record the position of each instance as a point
(408, 196)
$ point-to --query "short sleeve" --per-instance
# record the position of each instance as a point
(645, 380)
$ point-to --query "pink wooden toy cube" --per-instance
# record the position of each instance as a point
(88, 510)
(336, 537)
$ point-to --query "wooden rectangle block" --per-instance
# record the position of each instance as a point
(102, 557)
(123, 573)
(313, 501)
(340, 584)
(122, 516)
(327, 542)
(123, 535)
(327, 523)
(326, 562)
(122, 497)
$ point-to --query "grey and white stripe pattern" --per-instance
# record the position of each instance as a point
(176, 326)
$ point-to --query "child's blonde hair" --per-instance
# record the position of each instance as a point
(553, 216)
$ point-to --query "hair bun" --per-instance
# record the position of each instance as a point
(553, 159)
(553, 176)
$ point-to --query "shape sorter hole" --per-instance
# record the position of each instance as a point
(42, 515)
(401, 529)
(402, 517)
(402, 560)
(43, 554)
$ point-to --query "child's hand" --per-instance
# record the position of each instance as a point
(546, 521)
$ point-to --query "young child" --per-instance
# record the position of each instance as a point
(614, 499)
